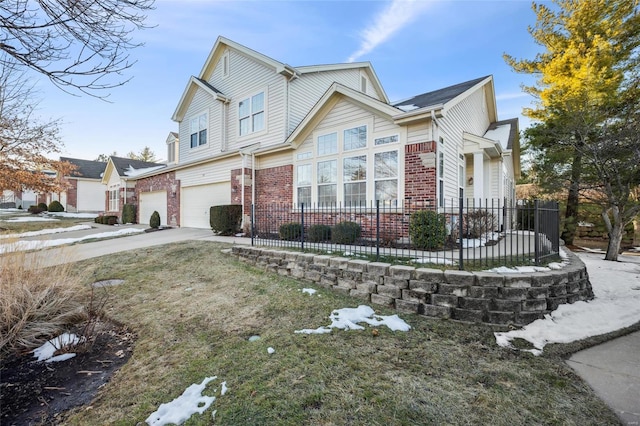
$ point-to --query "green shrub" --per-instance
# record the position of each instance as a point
(55, 206)
(225, 219)
(319, 233)
(129, 213)
(35, 209)
(111, 220)
(97, 219)
(427, 229)
(479, 222)
(345, 233)
(43, 207)
(154, 222)
(290, 231)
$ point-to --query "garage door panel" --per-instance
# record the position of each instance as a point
(150, 202)
(197, 200)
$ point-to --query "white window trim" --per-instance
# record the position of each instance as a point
(369, 151)
(265, 112)
(200, 147)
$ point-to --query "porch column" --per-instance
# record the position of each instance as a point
(478, 176)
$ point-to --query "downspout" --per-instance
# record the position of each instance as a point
(244, 163)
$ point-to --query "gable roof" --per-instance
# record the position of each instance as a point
(86, 168)
(124, 165)
(328, 100)
(510, 130)
(437, 97)
(192, 86)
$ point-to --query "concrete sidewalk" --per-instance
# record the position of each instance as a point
(612, 369)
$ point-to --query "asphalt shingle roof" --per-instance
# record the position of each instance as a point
(439, 96)
(513, 131)
(86, 168)
(123, 164)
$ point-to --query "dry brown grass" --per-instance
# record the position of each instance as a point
(36, 303)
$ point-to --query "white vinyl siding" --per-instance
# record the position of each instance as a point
(90, 196)
(217, 171)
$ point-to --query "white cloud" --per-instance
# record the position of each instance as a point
(398, 14)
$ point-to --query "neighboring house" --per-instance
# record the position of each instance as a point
(23, 199)
(255, 130)
(86, 190)
(119, 179)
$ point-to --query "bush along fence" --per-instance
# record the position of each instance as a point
(463, 234)
(480, 297)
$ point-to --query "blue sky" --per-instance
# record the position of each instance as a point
(414, 46)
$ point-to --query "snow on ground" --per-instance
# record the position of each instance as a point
(74, 215)
(348, 319)
(31, 219)
(616, 286)
(309, 291)
(190, 402)
(46, 351)
(45, 232)
(40, 244)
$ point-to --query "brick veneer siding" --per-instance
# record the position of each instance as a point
(165, 181)
(480, 297)
(419, 175)
(275, 185)
(236, 188)
(72, 195)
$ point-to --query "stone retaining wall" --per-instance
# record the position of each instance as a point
(481, 297)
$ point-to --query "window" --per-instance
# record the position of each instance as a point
(386, 140)
(461, 180)
(355, 138)
(251, 114)
(328, 144)
(354, 176)
(304, 184)
(198, 130)
(113, 200)
(386, 177)
(171, 152)
(304, 155)
(327, 182)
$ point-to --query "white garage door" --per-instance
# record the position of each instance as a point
(150, 202)
(196, 201)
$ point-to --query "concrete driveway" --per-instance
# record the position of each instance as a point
(82, 251)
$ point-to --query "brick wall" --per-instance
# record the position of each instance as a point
(275, 185)
(165, 181)
(72, 195)
(420, 171)
(236, 188)
(480, 297)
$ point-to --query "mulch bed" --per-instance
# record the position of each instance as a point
(39, 393)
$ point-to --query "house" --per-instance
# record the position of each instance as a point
(119, 179)
(256, 130)
(85, 191)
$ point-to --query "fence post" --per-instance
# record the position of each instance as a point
(536, 230)
(253, 221)
(460, 229)
(377, 230)
(302, 225)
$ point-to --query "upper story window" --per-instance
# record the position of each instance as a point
(251, 114)
(385, 140)
(328, 144)
(363, 84)
(198, 130)
(355, 138)
(171, 152)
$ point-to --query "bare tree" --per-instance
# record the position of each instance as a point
(78, 45)
(25, 140)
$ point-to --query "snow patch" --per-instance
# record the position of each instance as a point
(48, 231)
(180, 409)
(310, 291)
(41, 244)
(349, 319)
(46, 351)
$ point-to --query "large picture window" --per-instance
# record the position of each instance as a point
(198, 130)
(251, 114)
(303, 182)
(328, 144)
(355, 138)
(354, 176)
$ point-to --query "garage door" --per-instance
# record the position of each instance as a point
(150, 202)
(196, 201)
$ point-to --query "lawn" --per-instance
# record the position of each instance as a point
(194, 308)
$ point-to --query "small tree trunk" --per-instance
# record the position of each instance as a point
(615, 231)
(573, 198)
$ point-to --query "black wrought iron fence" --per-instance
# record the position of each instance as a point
(467, 234)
